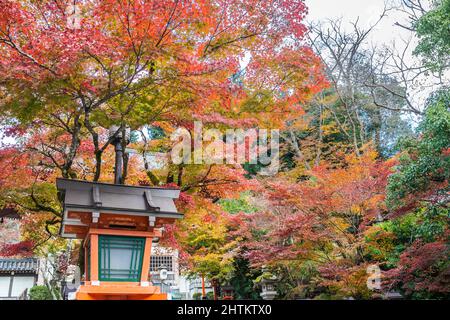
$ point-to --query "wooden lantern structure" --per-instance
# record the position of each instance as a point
(118, 224)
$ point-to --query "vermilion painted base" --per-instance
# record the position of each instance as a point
(119, 291)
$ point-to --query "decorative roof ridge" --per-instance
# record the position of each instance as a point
(18, 264)
(118, 185)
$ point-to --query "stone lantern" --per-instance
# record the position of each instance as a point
(267, 284)
(162, 276)
(227, 292)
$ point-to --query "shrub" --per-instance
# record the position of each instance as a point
(40, 293)
(197, 296)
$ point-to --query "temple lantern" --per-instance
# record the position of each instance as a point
(268, 285)
(118, 224)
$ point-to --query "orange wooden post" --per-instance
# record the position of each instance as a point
(86, 271)
(94, 258)
(146, 261)
(203, 287)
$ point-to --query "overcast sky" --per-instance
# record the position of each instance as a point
(385, 33)
(367, 10)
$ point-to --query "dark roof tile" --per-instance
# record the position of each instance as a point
(18, 265)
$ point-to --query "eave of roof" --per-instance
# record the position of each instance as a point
(61, 180)
(116, 198)
(105, 198)
(162, 214)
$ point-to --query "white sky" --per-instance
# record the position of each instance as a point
(385, 33)
(368, 12)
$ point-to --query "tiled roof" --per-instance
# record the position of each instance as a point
(18, 265)
(9, 213)
(117, 198)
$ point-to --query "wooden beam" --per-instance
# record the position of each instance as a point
(146, 259)
(127, 233)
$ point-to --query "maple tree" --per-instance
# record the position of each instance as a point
(137, 63)
(322, 221)
(423, 270)
(123, 66)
